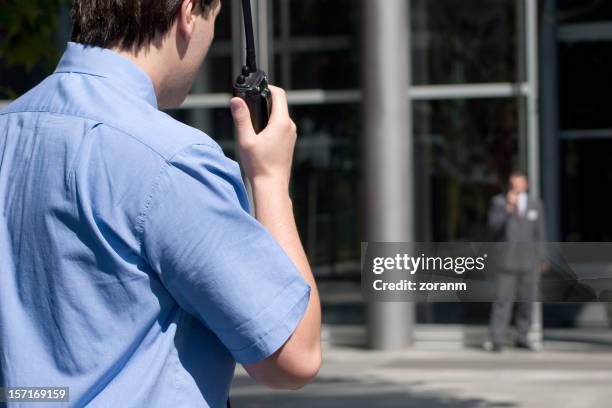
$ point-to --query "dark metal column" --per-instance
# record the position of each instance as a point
(387, 152)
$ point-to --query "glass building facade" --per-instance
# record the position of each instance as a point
(473, 76)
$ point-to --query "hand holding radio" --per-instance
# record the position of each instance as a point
(266, 133)
(266, 156)
(252, 83)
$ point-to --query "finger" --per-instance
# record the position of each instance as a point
(280, 110)
(242, 118)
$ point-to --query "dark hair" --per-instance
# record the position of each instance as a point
(127, 24)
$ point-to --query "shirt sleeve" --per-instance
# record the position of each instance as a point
(216, 260)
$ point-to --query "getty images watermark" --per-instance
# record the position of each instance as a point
(468, 271)
(411, 265)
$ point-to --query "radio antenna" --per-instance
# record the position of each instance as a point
(251, 58)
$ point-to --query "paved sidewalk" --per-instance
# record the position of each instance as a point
(463, 378)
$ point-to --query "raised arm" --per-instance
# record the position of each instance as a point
(498, 215)
(267, 159)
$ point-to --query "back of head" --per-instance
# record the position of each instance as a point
(124, 24)
(173, 35)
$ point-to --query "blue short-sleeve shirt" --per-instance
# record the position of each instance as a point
(130, 268)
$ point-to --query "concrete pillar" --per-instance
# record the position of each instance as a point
(532, 47)
(387, 153)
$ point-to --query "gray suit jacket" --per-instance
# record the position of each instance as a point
(525, 234)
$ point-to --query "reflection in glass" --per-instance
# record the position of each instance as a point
(579, 11)
(325, 70)
(464, 150)
(585, 192)
(316, 44)
(584, 85)
(464, 41)
(325, 186)
(216, 74)
(317, 17)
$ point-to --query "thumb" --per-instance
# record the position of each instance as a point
(242, 118)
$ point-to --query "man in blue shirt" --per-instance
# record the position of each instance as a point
(130, 269)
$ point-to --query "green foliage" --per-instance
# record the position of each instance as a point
(27, 28)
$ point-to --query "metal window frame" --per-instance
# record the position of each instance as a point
(591, 31)
(586, 134)
(348, 96)
(416, 93)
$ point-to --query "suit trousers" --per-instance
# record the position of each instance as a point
(520, 287)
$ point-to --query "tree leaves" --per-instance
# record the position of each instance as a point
(27, 28)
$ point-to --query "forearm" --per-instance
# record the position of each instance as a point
(266, 159)
(274, 210)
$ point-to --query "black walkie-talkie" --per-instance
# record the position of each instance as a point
(252, 83)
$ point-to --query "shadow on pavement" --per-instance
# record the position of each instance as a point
(331, 392)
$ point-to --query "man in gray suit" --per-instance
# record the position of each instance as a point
(518, 219)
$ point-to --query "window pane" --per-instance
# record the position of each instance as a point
(223, 24)
(318, 17)
(316, 44)
(584, 85)
(451, 42)
(585, 192)
(464, 41)
(463, 151)
(216, 74)
(326, 70)
(325, 183)
(575, 11)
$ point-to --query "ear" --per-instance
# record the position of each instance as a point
(186, 18)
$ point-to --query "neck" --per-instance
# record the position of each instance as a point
(145, 60)
(154, 59)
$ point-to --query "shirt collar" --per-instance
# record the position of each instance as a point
(106, 63)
